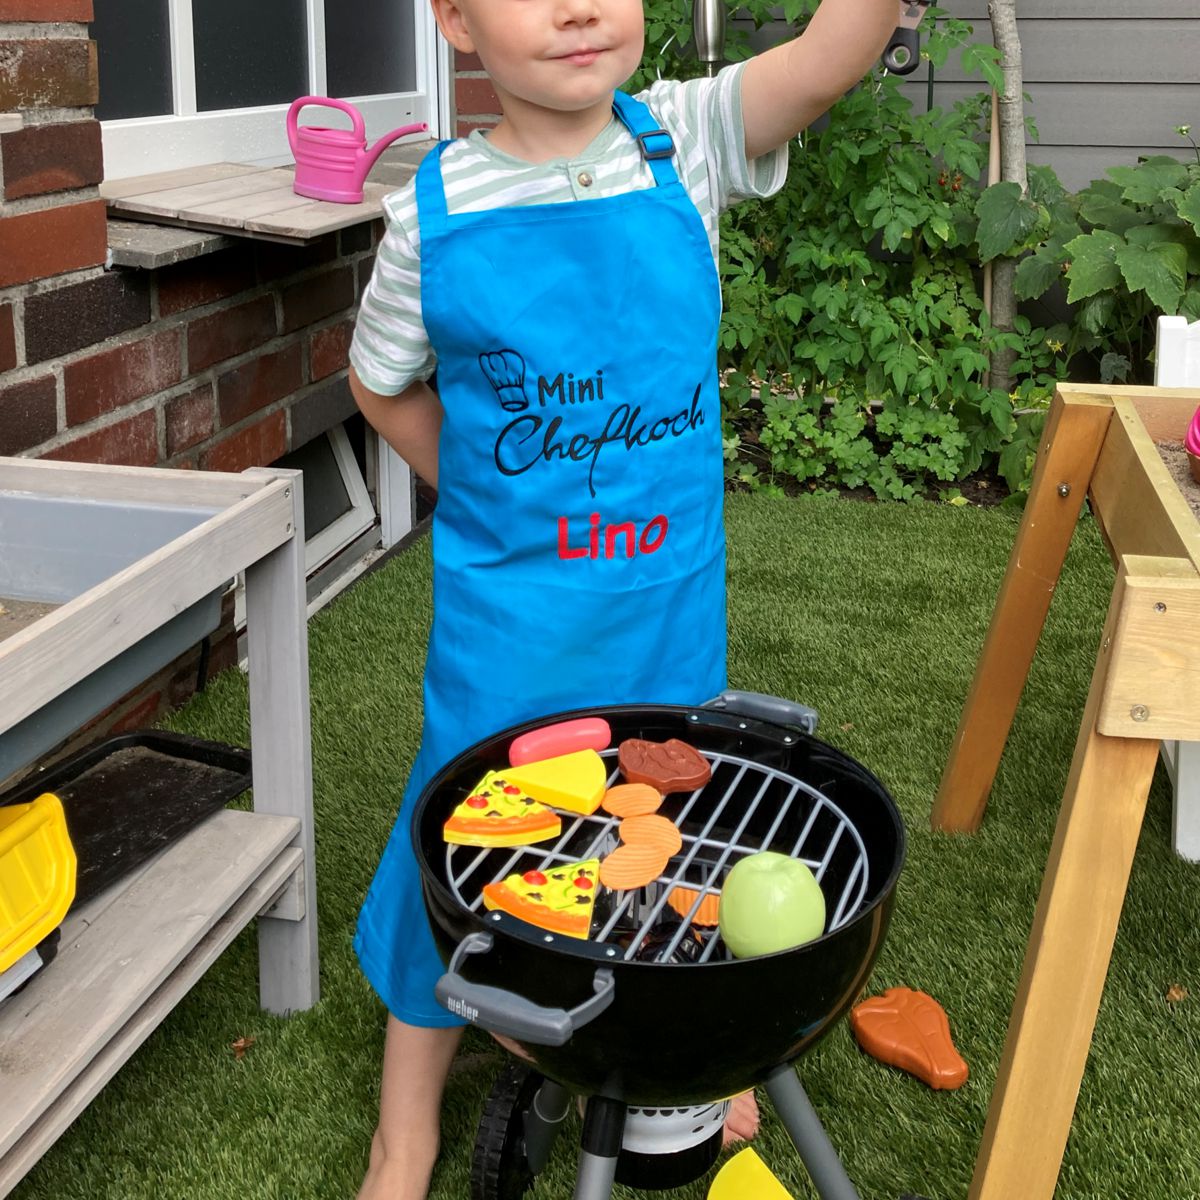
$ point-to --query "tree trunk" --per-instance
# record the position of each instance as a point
(1003, 14)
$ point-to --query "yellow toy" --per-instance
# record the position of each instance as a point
(37, 875)
(574, 782)
(746, 1177)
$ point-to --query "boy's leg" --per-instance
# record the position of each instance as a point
(742, 1122)
(416, 1061)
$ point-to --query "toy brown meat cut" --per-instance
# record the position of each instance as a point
(671, 766)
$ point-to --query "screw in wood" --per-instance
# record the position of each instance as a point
(1160, 607)
(1139, 712)
(1064, 490)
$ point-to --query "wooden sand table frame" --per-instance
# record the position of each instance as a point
(129, 954)
(1101, 443)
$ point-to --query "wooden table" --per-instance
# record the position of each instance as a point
(1098, 443)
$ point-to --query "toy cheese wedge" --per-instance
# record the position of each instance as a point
(499, 813)
(559, 899)
(746, 1177)
(574, 782)
(37, 875)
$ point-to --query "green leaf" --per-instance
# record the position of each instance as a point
(1107, 212)
(1093, 264)
(1169, 231)
(1097, 312)
(1143, 183)
(1189, 206)
(1044, 186)
(1159, 231)
(1160, 271)
(1114, 368)
(1006, 219)
(792, 307)
(984, 58)
(1035, 275)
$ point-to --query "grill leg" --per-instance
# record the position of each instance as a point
(793, 1106)
(543, 1121)
(603, 1128)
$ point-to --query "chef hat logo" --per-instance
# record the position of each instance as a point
(505, 371)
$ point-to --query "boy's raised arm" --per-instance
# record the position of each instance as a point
(788, 86)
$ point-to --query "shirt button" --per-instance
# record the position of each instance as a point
(585, 180)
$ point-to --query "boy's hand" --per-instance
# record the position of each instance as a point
(787, 87)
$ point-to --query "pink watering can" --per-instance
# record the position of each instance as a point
(332, 164)
(1192, 445)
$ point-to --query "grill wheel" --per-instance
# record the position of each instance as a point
(499, 1168)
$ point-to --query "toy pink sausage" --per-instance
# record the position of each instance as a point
(566, 737)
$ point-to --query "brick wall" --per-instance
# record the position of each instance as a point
(475, 102)
(221, 362)
(224, 361)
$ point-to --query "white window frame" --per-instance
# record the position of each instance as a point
(337, 535)
(188, 138)
(358, 518)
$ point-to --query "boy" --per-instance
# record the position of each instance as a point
(560, 273)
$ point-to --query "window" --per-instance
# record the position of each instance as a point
(340, 534)
(337, 506)
(186, 82)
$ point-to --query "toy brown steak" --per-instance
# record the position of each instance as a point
(671, 766)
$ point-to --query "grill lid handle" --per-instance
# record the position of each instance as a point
(758, 706)
(506, 1013)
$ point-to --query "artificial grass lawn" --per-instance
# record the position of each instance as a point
(873, 614)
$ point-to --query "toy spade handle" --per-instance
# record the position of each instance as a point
(506, 1013)
(708, 27)
(902, 53)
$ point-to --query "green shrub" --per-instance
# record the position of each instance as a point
(1129, 249)
(854, 347)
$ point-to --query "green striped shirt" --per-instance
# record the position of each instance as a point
(704, 117)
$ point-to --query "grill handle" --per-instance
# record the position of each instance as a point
(506, 1013)
(758, 706)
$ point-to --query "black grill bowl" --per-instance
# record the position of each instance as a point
(676, 1033)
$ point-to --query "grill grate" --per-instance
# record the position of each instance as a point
(745, 807)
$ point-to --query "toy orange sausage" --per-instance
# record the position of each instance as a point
(565, 737)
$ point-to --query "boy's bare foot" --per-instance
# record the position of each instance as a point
(416, 1061)
(742, 1123)
(396, 1178)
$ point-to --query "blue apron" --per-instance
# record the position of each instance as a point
(578, 547)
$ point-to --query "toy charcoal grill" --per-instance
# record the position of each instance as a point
(651, 1020)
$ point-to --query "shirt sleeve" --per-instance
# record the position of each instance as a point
(390, 348)
(710, 110)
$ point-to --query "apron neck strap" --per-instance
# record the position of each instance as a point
(431, 192)
(656, 144)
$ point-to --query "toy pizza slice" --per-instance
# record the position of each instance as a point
(559, 899)
(571, 781)
(499, 813)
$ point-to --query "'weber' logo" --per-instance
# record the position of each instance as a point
(460, 1008)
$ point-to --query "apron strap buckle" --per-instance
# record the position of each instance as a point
(658, 151)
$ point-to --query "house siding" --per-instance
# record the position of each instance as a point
(1108, 81)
